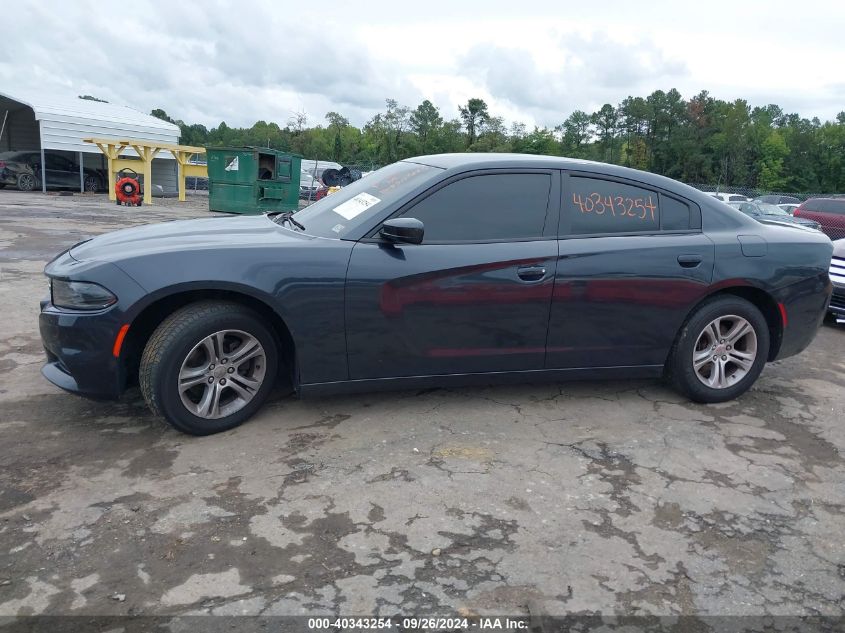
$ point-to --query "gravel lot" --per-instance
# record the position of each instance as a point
(614, 498)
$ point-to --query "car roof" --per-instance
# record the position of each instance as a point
(469, 161)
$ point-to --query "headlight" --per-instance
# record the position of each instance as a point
(80, 295)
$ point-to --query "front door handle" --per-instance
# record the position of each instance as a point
(689, 261)
(531, 273)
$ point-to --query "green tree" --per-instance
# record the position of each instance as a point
(157, 113)
(474, 115)
(425, 120)
(576, 134)
(771, 162)
(606, 121)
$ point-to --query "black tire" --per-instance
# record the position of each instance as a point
(172, 342)
(2, 185)
(680, 370)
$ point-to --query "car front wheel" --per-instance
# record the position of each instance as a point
(209, 367)
(91, 184)
(720, 351)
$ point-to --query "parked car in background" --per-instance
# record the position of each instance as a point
(765, 212)
(309, 186)
(837, 278)
(778, 199)
(729, 197)
(829, 212)
(315, 168)
(23, 170)
(437, 270)
(789, 207)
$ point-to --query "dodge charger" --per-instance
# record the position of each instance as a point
(439, 270)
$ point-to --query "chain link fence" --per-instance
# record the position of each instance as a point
(752, 192)
(829, 213)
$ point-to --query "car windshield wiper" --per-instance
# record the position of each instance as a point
(287, 216)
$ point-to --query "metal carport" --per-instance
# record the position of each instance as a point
(43, 123)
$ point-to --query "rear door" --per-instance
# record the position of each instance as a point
(633, 261)
(474, 296)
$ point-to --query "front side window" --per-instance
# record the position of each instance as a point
(486, 207)
(597, 206)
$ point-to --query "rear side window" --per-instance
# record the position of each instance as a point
(485, 207)
(737, 198)
(825, 205)
(832, 206)
(595, 205)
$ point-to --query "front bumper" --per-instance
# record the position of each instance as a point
(79, 352)
(837, 302)
(80, 344)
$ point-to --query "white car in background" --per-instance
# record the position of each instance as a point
(729, 197)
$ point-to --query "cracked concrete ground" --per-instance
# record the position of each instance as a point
(615, 498)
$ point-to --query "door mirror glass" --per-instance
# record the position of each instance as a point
(407, 230)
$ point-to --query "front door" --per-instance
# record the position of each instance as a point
(473, 297)
(61, 172)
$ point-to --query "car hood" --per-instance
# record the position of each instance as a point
(776, 217)
(186, 235)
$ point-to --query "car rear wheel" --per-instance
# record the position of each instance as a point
(209, 367)
(26, 182)
(720, 351)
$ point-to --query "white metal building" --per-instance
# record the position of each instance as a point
(55, 126)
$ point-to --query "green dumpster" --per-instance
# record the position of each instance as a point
(252, 180)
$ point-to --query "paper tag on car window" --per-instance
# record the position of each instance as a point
(356, 206)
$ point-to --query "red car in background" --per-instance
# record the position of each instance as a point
(829, 212)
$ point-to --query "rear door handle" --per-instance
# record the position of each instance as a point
(531, 273)
(689, 261)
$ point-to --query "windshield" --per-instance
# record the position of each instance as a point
(338, 214)
(770, 209)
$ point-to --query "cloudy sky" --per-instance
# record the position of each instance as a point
(535, 62)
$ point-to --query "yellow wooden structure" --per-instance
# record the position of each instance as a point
(147, 151)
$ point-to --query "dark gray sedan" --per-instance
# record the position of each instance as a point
(438, 270)
(765, 212)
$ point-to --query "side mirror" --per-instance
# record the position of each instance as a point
(407, 230)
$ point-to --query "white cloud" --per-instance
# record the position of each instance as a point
(240, 62)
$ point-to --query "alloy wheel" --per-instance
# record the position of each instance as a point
(26, 182)
(725, 351)
(221, 374)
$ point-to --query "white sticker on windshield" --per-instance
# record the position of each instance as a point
(356, 206)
